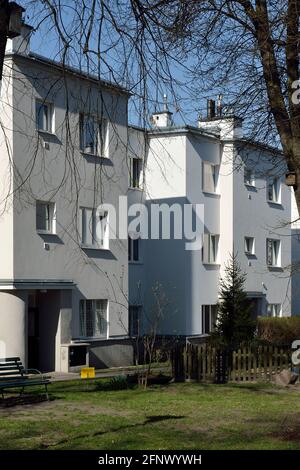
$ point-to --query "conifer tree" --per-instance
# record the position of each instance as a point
(234, 323)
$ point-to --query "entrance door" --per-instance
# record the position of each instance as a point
(33, 337)
(256, 307)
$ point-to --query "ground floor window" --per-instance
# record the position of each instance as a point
(134, 320)
(93, 318)
(209, 316)
(274, 310)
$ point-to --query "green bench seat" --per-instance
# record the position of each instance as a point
(14, 375)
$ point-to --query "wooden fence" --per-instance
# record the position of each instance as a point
(205, 363)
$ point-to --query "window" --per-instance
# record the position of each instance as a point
(45, 217)
(210, 248)
(93, 135)
(94, 228)
(249, 179)
(133, 249)
(43, 116)
(210, 177)
(93, 318)
(209, 317)
(249, 246)
(273, 252)
(273, 190)
(134, 320)
(135, 165)
(274, 310)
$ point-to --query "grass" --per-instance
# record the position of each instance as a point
(89, 415)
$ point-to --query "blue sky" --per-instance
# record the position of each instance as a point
(186, 108)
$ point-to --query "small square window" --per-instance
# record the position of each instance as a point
(249, 246)
(45, 217)
(44, 116)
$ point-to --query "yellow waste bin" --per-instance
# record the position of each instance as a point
(88, 372)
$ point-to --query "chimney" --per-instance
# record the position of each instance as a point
(211, 109)
(225, 125)
(162, 118)
(15, 20)
(20, 44)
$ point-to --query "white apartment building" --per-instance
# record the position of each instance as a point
(63, 286)
(66, 148)
(246, 208)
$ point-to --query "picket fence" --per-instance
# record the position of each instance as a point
(205, 363)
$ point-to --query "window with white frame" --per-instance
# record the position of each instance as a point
(208, 318)
(249, 245)
(273, 252)
(209, 177)
(249, 178)
(93, 318)
(134, 320)
(273, 189)
(135, 167)
(93, 135)
(133, 249)
(274, 310)
(210, 248)
(94, 228)
(45, 217)
(43, 116)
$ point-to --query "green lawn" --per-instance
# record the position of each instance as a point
(88, 415)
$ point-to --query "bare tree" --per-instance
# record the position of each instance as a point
(247, 50)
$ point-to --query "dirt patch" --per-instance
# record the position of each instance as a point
(57, 409)
(289, 428)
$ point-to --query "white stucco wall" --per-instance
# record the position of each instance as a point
(69, 179)
(234, 212)
(254, 216)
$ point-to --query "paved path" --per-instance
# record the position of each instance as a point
(102, 373)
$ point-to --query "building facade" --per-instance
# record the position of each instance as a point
(246, 211)
(63, 285)
(73, 288)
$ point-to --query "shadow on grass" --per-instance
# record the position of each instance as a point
(25, 399)
(148, 420)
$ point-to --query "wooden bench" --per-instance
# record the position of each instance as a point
(14, 375)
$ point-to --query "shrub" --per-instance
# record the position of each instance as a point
(119, 382)
(278, 331)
